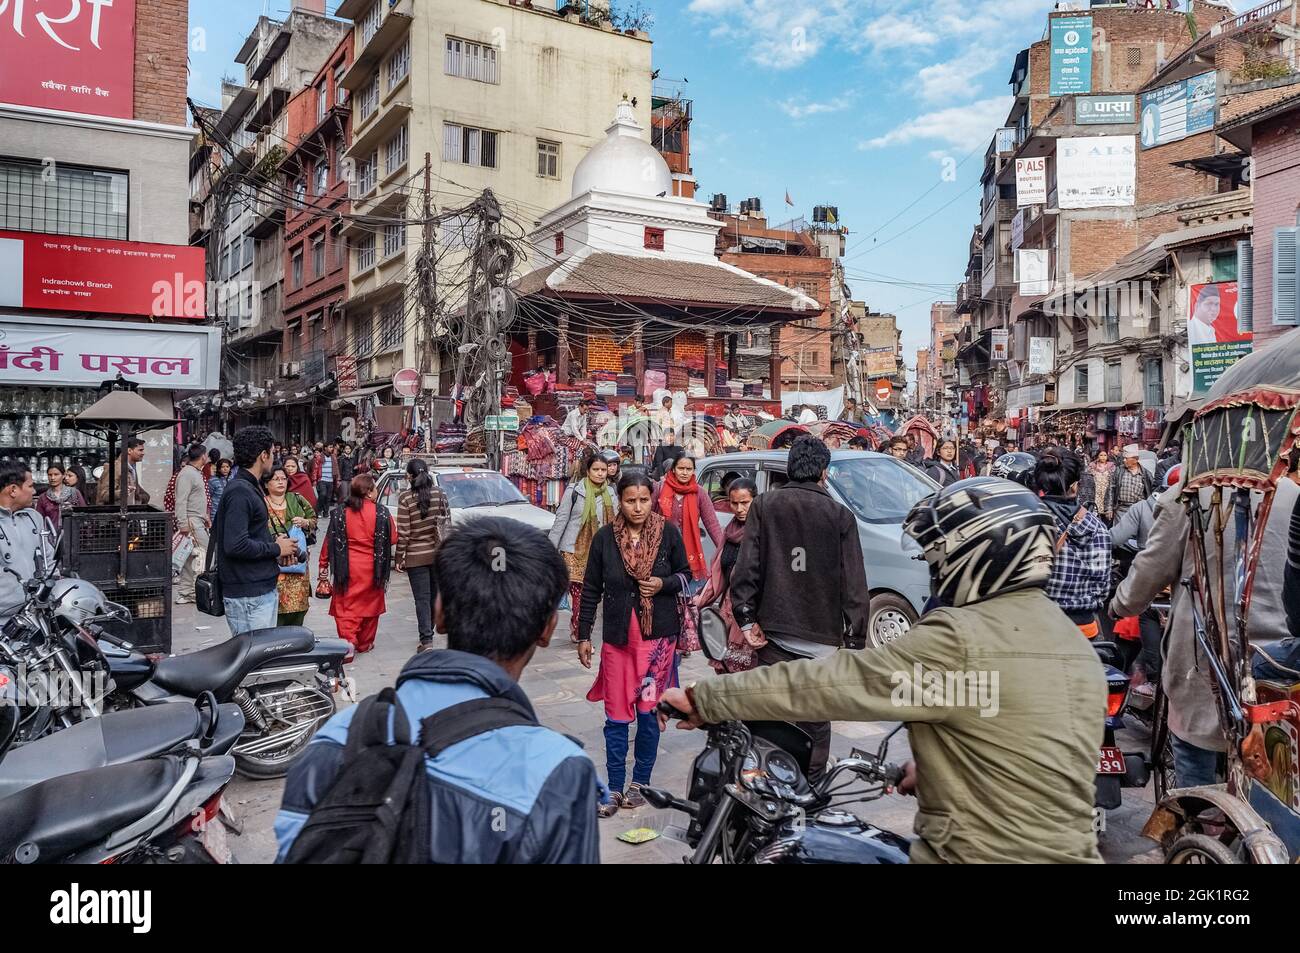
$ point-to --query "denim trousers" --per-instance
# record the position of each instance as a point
(1194, 766)
(424, 590)
(646, 747)
(246, 613)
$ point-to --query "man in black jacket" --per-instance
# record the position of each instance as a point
(248, 556)
(800, 576)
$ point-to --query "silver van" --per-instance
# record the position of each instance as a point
(880, 490)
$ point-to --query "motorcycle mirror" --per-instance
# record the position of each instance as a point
(884, 744)
(658, 797)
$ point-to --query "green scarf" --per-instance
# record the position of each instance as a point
(591, 495)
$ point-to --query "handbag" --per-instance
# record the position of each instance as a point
(207, 584)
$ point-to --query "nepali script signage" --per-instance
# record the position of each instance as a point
(71, 273)
(43, 352)
(77, 56)
(1104, 110)
(1071, 64)
(1178, 110)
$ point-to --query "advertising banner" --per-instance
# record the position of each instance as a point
(1042, 355)
(42, 352)
(69, 273)
(881, 361)
(1071, 56)
(1018, 230)
(1096, 171)
(1033, 271)
(998, 346)
(1178, 110)
(74, 57)
(1031, 181)
(1212, 333)
(1104, 110)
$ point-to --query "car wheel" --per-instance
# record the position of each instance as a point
(892, 617)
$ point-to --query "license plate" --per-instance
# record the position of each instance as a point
(1110, 761)
(214, 841)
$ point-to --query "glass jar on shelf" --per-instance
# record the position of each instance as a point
(26, 431)
(8, 432)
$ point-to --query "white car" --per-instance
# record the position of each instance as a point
(471, 492)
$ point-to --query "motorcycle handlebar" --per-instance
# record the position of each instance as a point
(676, 714)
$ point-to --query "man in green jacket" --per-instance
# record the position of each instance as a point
(1003, 696)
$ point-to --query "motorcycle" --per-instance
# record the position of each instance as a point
(1116, 769)
(282, 679)
(749, 800)
(164, 809)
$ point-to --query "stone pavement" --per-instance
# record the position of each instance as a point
(557, 685)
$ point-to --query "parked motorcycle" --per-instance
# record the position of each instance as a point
(165, 809)
(283, 679)
(749, 800)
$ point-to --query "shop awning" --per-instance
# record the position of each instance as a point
(351, 397)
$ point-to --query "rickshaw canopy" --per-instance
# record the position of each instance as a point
(773, 435)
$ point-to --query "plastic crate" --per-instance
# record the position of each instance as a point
(151, 612)
(92, 540)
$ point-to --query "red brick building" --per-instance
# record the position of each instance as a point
(319, 127)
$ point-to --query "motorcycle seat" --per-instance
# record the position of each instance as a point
(220, 668)
(116, 738)
(76, 811)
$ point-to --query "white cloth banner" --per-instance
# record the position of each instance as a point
(1096, 171)
(1042, 355)
(1032, 270)
(832, 400)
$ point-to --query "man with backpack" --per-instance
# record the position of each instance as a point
(452, 766)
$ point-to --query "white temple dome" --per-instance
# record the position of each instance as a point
(624, 162)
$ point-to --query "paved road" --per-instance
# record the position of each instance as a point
(558, 685)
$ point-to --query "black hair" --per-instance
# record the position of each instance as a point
(635, 478)
(214, 457)
(13, 474)
(808, 460)
(859, 443)
(422, 483)
(897, 439)
(939, 446)
(195, 451)
(79, 471)
(742, 483)
(250, 443)
(500, 582)
(1056, 471)
(270, 474)
(54, 466)
(133, 442)
(668, 399)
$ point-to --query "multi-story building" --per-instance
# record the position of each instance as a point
(96, 276)
(670, 133)
(498, 96)
(316, 256)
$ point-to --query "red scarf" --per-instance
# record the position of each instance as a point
(690, 525)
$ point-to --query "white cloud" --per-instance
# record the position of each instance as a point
(943, 82)
(962, 127)
(796, 109)
(894, 32)
(780, 34)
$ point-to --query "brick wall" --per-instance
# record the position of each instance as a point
(1158, 180)
(161, 50)
(603, 354)
(1276, 148)
(813, 335)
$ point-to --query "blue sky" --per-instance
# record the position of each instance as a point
(853, 103)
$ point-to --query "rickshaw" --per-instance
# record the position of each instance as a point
(1236, 449)
(774, 435)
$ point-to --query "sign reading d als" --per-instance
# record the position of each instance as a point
(1071, 56)
(76, 56)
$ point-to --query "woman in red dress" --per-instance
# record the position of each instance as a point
(359, 558)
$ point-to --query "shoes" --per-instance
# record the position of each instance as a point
(609, 808)
(182, 601)
(424, 647)
(1146, 690)
(634, 798)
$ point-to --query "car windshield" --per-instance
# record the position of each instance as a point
(478, 488)
(878, 490)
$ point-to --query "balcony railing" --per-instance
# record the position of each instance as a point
(1250, 16)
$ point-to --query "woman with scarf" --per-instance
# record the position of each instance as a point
(287, 511)
(58, 497)
(299, 481)
(358, 554)
(587, 505)
(683, 502)
(636, 568)
(740, 650)
(943, 468)
(1094, 486)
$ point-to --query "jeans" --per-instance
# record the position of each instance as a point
(1286, 652)
(246, 613)
(1194, 766)
(324, 497)
(424, 589)
(644, 752)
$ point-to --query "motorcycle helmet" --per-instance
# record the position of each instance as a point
(610, 457)
(1017, 466)
(981, 537)
(79, 603)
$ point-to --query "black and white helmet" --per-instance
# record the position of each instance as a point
(1017, 465)
(982, 537)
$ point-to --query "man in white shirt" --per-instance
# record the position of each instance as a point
(809, 416)
(734, 420)
(191, 517)
(576, 424)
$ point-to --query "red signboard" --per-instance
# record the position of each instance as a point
(884, 390)
(406, 382)
(68, 273)
(74, 56)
